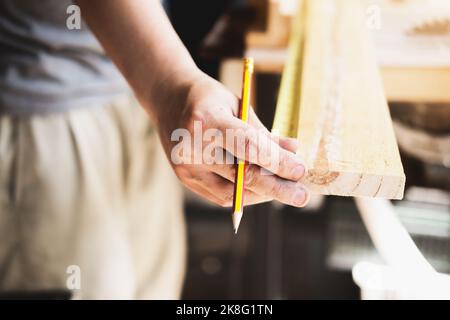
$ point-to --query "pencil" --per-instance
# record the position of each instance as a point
(238, 199)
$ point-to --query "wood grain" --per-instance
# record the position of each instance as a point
(345, 129)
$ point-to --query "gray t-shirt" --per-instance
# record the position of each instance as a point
(45, 67)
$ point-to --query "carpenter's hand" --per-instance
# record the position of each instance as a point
(204, 103)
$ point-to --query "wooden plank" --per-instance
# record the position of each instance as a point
(345, 130)
(276, 33)
(230, 75)
(401, 83)
(412, 33)
(412, 48)
(420, 84)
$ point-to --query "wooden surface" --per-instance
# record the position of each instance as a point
(412, 48)
(345, 130)
(413, 33)
(230, 74)
(417, 84)
(276, 33)
(401, 83)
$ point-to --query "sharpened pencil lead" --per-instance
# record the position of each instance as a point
(237, 216)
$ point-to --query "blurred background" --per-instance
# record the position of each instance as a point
(323, 251)
(286, 253)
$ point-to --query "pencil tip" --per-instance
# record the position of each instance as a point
(237, 216)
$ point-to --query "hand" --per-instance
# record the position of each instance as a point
(204, 101)
(176, 94)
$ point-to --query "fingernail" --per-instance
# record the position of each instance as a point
(298, 172)
(299, 198)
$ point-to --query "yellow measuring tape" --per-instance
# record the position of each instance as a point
(288, 105)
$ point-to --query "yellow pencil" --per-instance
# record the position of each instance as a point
(238, 201)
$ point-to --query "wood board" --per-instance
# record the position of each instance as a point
(401, 83)
(276, 33)
(344, 128)
(412, 46)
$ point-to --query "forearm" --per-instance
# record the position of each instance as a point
(139, 38)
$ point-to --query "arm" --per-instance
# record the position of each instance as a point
(139, 38)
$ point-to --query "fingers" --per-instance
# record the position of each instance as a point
(254, 143)
(221, 191)
(270, 186)
(289, 144)
(257, 147)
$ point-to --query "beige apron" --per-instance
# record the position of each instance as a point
(92, 188)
